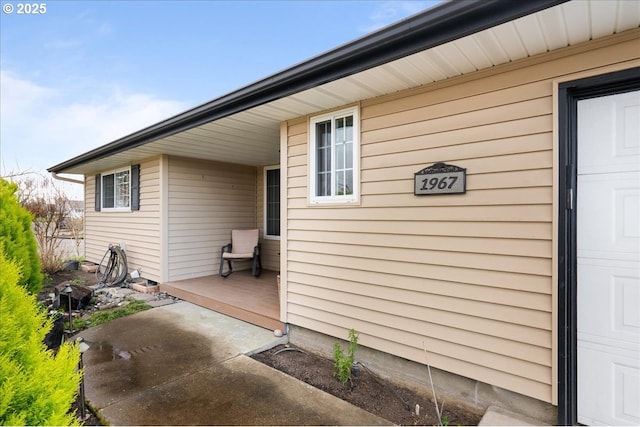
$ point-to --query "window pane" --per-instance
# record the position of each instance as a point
(340, 131)
(348, 149)
(339, 190)
(273, 202)
(344, 129)
(344, 156)
(108, 191)
(122, 189)
(340, 155)
(323, 158)
(323, 184)
(348, 181)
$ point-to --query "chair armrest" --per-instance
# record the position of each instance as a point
(256, 250)
(226, 248)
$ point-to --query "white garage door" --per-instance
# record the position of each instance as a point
(608, 289)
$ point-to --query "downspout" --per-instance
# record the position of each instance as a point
(63, 178)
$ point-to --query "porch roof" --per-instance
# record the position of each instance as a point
(451, 39)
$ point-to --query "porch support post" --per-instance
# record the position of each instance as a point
(284, 142)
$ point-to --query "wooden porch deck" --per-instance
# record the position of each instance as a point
(251, 299)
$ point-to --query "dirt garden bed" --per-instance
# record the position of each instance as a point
(368, 391)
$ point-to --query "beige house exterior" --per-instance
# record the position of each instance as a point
(187, 209)
(466, 274)
(476, 279)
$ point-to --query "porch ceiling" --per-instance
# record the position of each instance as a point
(252, 136)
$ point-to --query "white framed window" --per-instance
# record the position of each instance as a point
(272, 202)
(118, 190)
(334, 164)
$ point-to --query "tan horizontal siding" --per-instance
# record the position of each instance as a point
(470, 275)
(206, 200)
(481, 164)
(499, 114)
(516, 230)
(483, 261)
(489, 318)
(498, 279)
(480, 345)
(395, 341)
(469, 150)
(139, 231)
(414, 108)
(513, 247)
(500, 196)
(514, 213)
(388, 285)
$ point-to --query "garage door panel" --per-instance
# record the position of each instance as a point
(609, 207)
(616, 289)
(617, 115)
(608, 260)
(628, 125)
(618, 375)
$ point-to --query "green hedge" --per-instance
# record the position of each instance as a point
(36, 386)
(18, 239)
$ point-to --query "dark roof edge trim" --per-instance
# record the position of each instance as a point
(435, 26)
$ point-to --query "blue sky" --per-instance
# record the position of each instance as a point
(85, 73)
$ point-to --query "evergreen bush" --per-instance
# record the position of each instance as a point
(36, 386)
(17, 236)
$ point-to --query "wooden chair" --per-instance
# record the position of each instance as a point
(244, 246)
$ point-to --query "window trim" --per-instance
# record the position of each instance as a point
(353, 198)
(102, 192)
(265, 192)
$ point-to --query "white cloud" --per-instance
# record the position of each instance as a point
(40, 127)
(388, 12)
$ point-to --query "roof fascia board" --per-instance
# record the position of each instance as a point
(441, 24)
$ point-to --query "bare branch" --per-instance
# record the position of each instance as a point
(52, 212)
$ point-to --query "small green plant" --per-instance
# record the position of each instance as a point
(343, 364)
(100, 317)
(445, 421)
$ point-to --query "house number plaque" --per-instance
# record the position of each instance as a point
(440, 178)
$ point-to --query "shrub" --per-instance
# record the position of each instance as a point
(17, 237)
(51, 208)
(36, 386)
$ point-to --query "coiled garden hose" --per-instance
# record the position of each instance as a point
(114, 271)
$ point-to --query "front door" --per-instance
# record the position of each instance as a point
(608, 259)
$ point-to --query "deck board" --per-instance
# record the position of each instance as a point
(254, 300)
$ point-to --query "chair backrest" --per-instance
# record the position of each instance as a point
(243, 241)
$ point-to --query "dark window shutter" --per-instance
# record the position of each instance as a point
(97, 192)
(135, 187)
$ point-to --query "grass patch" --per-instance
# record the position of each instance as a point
(100, 317)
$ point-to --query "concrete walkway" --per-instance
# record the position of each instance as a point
(496, 416)
(181, 364)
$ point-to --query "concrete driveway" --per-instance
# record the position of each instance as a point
(181, 364)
